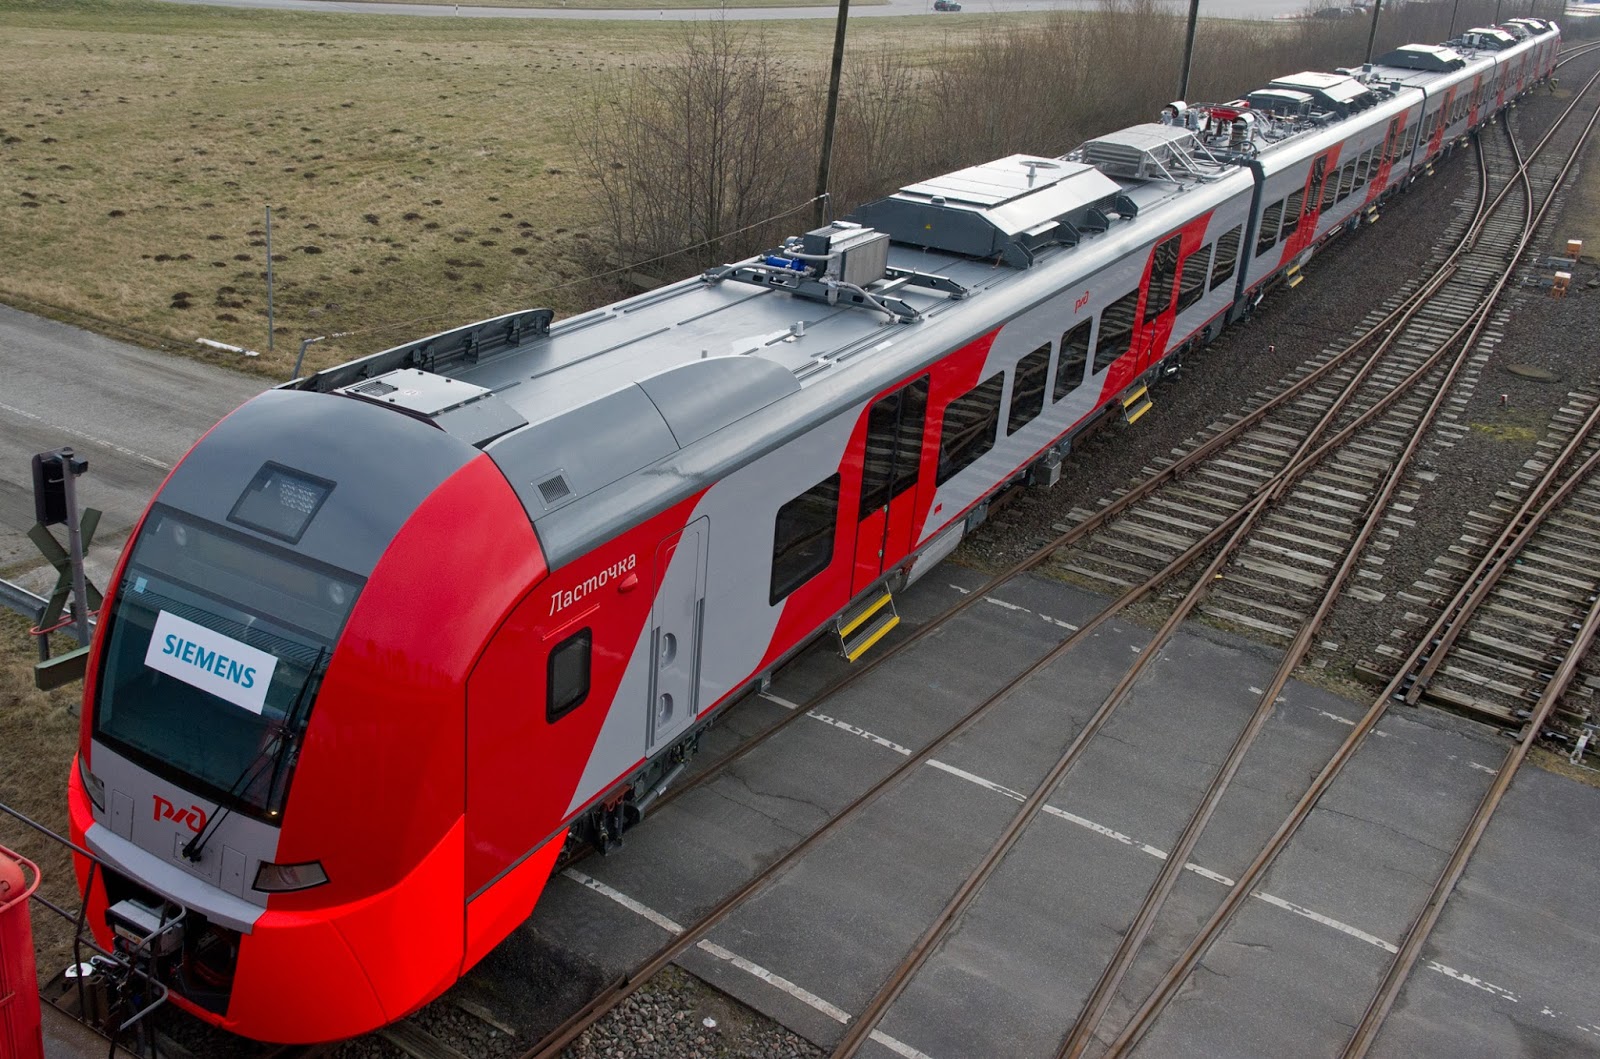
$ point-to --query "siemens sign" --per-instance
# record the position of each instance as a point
(211, 661)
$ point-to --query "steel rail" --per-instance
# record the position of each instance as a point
(1246, 519)
(1416, 935)
(1476, 586)
(1094, 1009)
(1242, 522)
(1176, 859)
(626, 984)
(1423, 676)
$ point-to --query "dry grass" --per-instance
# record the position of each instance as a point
(421, 171)
(38, 734)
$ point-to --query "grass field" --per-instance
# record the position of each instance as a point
(421, 171)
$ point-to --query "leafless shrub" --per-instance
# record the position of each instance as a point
(701, 147)
(700, 150)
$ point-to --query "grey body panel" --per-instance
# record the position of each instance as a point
(703, 396)
(591, 446)
(677, 620)
(314, 433)
(133, 835)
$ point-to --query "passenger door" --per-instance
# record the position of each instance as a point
(889, 471)
(677, 619)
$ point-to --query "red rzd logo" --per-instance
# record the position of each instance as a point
(194, 817)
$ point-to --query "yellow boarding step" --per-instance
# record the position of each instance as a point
(864, 626)
(1136, 404)
(1296, 277)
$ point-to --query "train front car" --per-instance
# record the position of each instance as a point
(273, 737)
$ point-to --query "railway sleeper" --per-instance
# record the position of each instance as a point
(1238, 618)
(1511, 649)
(1295, 533)
(1258, 605)
(1271, 589)
(1553, 635)
(1122, 544)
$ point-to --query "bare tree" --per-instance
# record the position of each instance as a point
(697, 149)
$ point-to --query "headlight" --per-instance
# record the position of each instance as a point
(94, 785)
(282, 878)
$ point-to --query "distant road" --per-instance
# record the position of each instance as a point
(132, 412)
(971, 8)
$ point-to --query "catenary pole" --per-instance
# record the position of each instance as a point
(833, 112)
(1188, 49)
(1372, 34)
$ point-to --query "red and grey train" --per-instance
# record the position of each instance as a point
(390, 638)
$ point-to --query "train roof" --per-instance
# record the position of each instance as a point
(736, 361)
(569, 408)
(1432, 58)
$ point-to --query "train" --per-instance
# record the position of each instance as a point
(393, 639)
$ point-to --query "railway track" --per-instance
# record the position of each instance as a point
(1453, 311)
(1360, 402)
(1506, 653)
(1555, 484)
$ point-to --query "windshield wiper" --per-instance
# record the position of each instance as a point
(283, 737)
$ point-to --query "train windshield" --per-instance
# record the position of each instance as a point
(213, 656)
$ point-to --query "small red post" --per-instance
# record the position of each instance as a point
(21, 1033)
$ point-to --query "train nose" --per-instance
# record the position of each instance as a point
(299, 982)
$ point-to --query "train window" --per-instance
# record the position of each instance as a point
(970, 423)
(1227, 258)
(1116, 330)
(1347, 180)
(1163, 278)
(893, 445)
(1193, 282)
(1362, 166)
(802, 537)
(1074, 355)
(1027, 389)
(1293, 206)
(1271, 220)
(1330, 191)
(567, 675)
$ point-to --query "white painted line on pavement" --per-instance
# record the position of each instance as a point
(805, 996)
(1019, 609)
(903, 751)
(1219, 878)
(1477, 983)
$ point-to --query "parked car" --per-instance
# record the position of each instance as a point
(946, 5)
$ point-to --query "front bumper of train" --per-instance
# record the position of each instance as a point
(325, 974)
